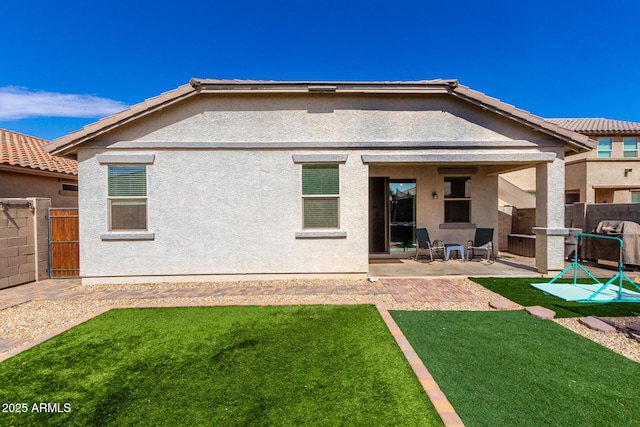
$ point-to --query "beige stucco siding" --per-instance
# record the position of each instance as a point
(322, 118)
(224, 192)
(224, 212)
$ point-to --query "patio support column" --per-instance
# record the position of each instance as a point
(550, 231)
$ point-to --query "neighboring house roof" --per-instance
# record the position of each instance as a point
(24, 151)
(598, 125)
(66, 144)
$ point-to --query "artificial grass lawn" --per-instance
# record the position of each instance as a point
(510, 369)
(520, 290)
(297, 365)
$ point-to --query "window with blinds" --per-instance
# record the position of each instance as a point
(320, 196)
(127, 193)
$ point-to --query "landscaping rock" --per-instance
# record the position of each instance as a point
(634, 336)
(503, 304)
(596, 324)
(540, 312)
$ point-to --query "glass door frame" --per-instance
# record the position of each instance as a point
(401, 194)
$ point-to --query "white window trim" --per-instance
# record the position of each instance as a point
(130, 234)
(320, 233)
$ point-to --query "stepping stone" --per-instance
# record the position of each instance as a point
(540, 312)
(635, 329)
(607, 321)
(503, 304)
(596, 324)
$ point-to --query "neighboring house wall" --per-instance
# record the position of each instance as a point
(27, 170)
(23, 241)
(14, 184)
(591, 178)
(524, 179)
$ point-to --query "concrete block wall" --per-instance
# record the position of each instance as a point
(23, 240)
(575, 216)
(505, 223)
(587, 216)
(523, 221)
(597, 212)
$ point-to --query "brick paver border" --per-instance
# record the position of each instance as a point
(439, 400)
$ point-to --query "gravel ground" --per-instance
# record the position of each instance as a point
(34, 319)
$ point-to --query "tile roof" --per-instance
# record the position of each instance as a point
(66, 144)
(17, 149)
(598, 125)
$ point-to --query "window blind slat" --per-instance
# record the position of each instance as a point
(320, 180)
(127, 181)
(321, 213)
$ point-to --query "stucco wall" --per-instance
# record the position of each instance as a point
(219, 208)
(29, 185)
(223, 212)
(322, 118)
(525, 179)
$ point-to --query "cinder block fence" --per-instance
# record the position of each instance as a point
(23, 240)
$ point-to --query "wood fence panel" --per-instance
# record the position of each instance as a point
(64, 243)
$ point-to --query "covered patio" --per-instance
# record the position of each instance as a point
(504, 265)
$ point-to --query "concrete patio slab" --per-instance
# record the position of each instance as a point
(505, 265)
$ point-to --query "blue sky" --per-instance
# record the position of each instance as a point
(67, 63)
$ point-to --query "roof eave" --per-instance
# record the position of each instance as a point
(40, 172)
(66, 145)
(574, 141)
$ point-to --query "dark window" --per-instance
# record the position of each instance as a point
(70, 187)
(457, 199)
(570, 198)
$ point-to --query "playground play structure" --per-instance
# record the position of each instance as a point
(611, 291)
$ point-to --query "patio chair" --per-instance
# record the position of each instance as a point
(483, 241)
(423, 242)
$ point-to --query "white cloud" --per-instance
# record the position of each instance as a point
(20, 103)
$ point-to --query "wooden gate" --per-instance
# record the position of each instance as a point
(64, 245)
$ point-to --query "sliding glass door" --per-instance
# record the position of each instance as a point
(402, 214)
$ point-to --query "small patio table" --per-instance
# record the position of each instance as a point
(454, 247)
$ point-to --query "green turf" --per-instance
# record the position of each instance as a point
(227, 366)
(520, 290)
(510, 369)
